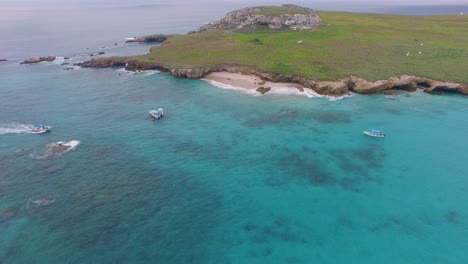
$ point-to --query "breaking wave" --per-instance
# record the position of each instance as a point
(277, 91)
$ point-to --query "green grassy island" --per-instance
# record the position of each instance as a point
(369, 46)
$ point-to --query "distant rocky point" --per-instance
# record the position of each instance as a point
(3, 60)
(274, 17)
(147, 39)
(38, 59)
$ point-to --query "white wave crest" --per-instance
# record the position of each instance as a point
(230, 87)
(146, 72)
(278, 90)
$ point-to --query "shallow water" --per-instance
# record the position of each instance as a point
(225, 176)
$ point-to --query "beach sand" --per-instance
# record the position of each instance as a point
(248, 81)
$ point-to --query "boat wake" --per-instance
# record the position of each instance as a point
(58, 148)
(16, 128)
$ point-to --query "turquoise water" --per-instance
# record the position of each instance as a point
(225, 177)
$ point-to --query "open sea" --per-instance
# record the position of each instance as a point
(225, 177)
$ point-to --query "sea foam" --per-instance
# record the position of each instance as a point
(277, 91)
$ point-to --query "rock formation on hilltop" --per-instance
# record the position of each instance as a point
(285, 16)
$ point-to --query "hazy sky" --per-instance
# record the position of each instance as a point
(26, 3)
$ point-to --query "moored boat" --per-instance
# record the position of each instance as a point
(157, 114)
(374, 133)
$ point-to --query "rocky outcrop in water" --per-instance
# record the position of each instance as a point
(286, 16)
(38, 59)
(338, 88)
(148, 39)
(103, 63)
(3, 60)
(263, 90)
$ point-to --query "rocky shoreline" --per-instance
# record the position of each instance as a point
(337, 88)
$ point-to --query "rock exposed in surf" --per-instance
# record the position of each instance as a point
(38, 59)
(59, 148)
(263, 90)
(3, 60)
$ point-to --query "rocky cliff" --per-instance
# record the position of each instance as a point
(286, 16)
(338, 88)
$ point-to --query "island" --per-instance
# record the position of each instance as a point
(329, 53)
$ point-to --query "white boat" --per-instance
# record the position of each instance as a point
(374, 133)
(40, 128)
(156, 114)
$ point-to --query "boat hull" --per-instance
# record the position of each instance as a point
(370, 134)
(47, 129)
(156, 114)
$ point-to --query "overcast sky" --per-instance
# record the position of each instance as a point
(247, 2)
(378, 6)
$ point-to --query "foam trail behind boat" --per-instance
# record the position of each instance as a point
(15, 128)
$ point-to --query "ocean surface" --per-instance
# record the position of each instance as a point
(225, 176)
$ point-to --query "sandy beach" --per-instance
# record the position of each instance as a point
(251, 82)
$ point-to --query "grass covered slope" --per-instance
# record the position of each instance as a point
(371, 46)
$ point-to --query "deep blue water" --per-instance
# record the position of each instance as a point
(225, 177)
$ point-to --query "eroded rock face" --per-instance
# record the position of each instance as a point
(406, 83)
(338, 88)
(330, 88)
(256, 16)
(38, 59)
(438, 87)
